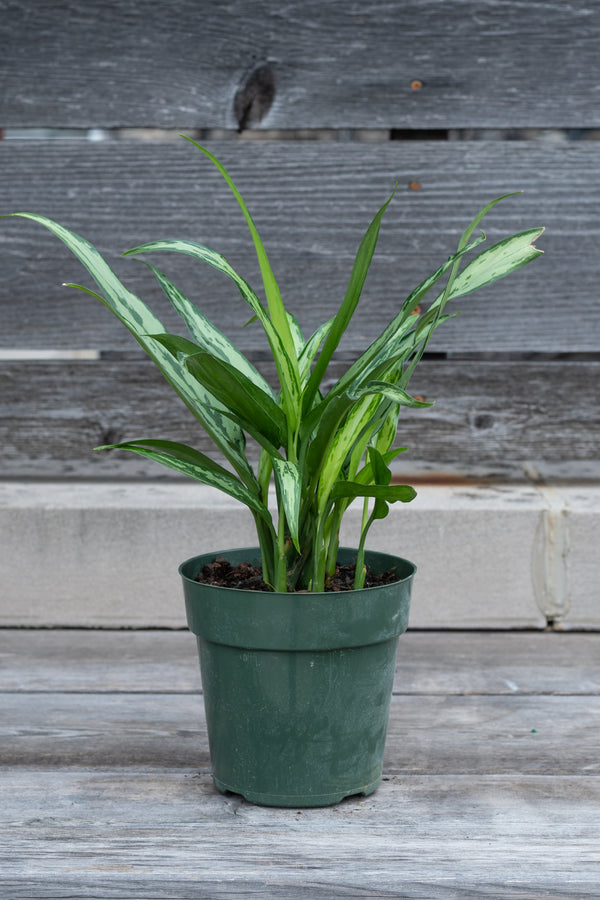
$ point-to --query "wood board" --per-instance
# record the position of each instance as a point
(312, 204)
(431, 662)
(475, 734)
(100, 799)
(52, 415)
(418, 64)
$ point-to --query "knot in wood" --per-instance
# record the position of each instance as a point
(254, 97)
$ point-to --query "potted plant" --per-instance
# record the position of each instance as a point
(297, 637)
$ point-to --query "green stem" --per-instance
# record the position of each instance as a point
(333, 537)
(319, 556)
(281, 567)
(265, 469)
(360, 572)
(266, 537)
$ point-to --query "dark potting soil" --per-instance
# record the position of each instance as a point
(249, 578)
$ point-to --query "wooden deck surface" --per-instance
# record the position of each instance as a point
(491, 785)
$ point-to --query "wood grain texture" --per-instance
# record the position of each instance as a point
(476, 734)
(165, 834)
(108, 794)
(486, 414)
(334, 65)
(312, 203)
(440, 663)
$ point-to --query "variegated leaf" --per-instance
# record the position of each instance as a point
(289, 486)
(287, 367)
(141, 321)
(206, 334)
(188, 461)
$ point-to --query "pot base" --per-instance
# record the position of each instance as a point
(298, 801)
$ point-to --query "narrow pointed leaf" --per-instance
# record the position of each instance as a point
(382, 474)
(480, 215)
(296, 332)
(238, 394)
(206, 334)
(327, 427)
(311, 348)
(385, 345)
(277, 310)
(348, 306)
(391, 392)
(416, 296)
(188, 461)
(501, 259)
(286, 364)
(390, 493)
(141, 321)
(342, 443)
(289, 485)
(447, 293)
(367, 476)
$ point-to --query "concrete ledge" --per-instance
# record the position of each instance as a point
(106, 554)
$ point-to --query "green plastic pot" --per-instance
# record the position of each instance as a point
(297, 687)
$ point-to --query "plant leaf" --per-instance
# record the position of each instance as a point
(206, 334)
(386, 344)
(390, 493)
(465, 237)
(141, 321)
(448, 290)
(367, 476)
(382, 474)
(296, 332)
(188, 461)
(289, 485)
(239, 395)
(326, 428)
(287, 367)
(497, 261)
(342, 443)
(277, 311)
(391, 392)
(334, 438)
(344, 314)
(310, 349)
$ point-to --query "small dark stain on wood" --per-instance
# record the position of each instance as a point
(483, 421)
(110, 436)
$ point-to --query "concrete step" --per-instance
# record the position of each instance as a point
(489, 555)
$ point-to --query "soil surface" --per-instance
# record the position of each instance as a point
(248, 577)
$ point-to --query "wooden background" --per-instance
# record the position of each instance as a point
(317, 109)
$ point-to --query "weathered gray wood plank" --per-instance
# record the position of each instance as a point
(330, 65)
(445, 662)
(165, 834)
(312, 203)
(486, 413)
(477, 734)
(102, 800)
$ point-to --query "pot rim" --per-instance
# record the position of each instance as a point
(268, 620)
(254, 557)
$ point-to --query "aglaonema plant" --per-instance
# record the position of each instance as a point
(322, 449)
